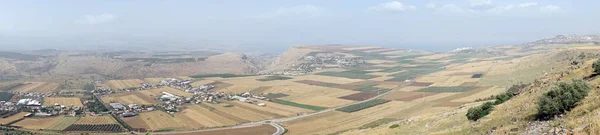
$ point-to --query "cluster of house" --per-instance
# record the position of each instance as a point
(568, 39)
(320, 61)
(38, 109)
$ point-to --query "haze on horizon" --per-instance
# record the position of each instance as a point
(272, 25)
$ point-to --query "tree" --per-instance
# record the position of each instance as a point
(596, 66)
(561, 98)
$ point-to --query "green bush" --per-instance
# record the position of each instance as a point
(478, 112)
(561, 98)
(596, 66)
(395, 126)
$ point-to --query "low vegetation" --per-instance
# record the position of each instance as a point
(316, 108)
(371, 88)
(276, 95)
(275, 77)
(486, 108)
(352, 74)
(596, 66)
(447, 89)
(363, 105)
(562, 98)
(217, 75)
(378, 123)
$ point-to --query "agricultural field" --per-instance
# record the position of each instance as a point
(8, 117)
(363, 105)
(256, 130)
(40, 87)
(158, 120)
(123, 84)
(135, 97)
(153, 80)
(52, 123)
(96, 120)
(66, 101)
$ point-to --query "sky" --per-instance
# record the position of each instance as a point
(274, 25)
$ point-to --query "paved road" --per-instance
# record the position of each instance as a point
(273, 122)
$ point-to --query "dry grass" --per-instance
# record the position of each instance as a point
(41, 87)
(360, 48)
(153, 80)
(329, 79)
(122, 84)
(202, 82)
(456, 81)
(66, 101)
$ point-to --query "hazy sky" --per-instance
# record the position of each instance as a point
(434, 25)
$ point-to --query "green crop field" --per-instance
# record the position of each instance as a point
(276, 95)
(316, 108)
(363, 105)
(447, 89)
(5, 96)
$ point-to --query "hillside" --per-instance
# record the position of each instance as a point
(517, 115)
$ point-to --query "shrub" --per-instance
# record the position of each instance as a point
(561, 98)
(596, 66)
(478, 112)
(395, 126)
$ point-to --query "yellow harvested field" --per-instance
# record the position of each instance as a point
(380, 61)
(435, 56)
(38, 123)
(325, 123)
(158, 92)
(202, 82)
(456, 80)
(96, 120)
(153, 80)
(122, 84)
(410, 88)
(66, 101)
(279, 109)
(137, 97)
(194, 117)
(239, 88)
(322, 101)
(431, 78)
(12, 118)
(329, 79)
(586, 47)
(482, 66)
(360, 48)
(157, 120)
(480, 95)
(40, 87)
(239, 112)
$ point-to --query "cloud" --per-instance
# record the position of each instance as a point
(394, 6)
(97, 19)
(478, 3)
(501, 9)
(431, 5)
(524, 5)
(450, 8)
(551, 9)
